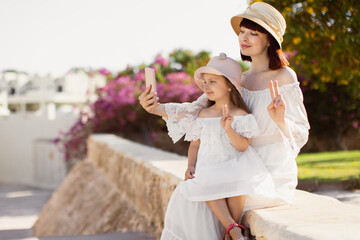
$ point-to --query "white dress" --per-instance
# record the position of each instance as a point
(221, 172)
(276, 152)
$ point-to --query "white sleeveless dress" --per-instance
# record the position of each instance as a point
(193, 219)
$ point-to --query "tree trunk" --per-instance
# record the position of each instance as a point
(340, 140)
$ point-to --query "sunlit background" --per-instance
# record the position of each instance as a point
(41, 36)
(70, 69)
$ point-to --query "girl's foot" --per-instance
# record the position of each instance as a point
(236, 234)
(235, 231)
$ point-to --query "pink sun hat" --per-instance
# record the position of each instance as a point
(220, 65)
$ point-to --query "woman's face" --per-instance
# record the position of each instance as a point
(252, 42)
(215, 86)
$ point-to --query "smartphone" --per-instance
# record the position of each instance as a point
(150, 78)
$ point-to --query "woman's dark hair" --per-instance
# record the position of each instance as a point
(277, 58)
(235, 97)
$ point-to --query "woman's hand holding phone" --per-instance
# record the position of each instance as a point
(149, 99)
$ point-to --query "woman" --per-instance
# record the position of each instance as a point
(271, 91)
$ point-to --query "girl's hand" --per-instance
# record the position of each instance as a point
(189, 174)
(226, 120)
(149, 100)
(277, 106)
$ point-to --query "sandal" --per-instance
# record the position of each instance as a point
(231, 226)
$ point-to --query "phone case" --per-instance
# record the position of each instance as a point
(150, 78)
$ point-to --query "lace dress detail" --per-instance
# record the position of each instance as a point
(180, 116)
(217, 156)
(194, 131)
(247, 127)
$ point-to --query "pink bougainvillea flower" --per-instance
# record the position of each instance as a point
(139, 76)
(177, 77)
(160, 60)
(123, 80)
(104, 71)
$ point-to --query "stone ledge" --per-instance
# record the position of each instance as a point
(145, 177)
(310, 216)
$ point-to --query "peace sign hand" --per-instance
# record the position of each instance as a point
(226, 120)
(277, 106)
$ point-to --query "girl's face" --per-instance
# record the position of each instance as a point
(215, 87)
(252, 42)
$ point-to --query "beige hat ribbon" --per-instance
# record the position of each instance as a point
(265, 19)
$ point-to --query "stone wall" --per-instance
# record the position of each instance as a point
(125, 186)
(119, 187)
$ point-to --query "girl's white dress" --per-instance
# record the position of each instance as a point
(221, 171)
(187, 216)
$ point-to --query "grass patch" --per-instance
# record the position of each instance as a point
(329, 166)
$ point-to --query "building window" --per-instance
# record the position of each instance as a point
(12, 91)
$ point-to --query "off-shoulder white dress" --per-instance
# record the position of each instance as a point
(188, 218)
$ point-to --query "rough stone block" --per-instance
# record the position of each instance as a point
(87, 203)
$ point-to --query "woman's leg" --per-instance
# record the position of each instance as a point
(220, 208)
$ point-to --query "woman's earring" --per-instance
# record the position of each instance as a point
(229, 89)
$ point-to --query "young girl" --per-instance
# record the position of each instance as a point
(222, 167)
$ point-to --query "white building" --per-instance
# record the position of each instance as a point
(33, 109)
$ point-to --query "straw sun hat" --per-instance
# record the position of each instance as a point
(266, 16)
(220, 65)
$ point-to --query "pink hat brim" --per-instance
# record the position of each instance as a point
(199, 77)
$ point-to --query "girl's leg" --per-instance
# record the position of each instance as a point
(236, 206)
(220, 208)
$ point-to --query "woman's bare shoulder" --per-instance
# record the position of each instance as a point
(243, 78)
(286, 75)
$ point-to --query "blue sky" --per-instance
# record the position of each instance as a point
(51, 36)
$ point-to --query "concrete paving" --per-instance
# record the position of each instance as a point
(348, 197)
(20, 206)
(108, 236)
